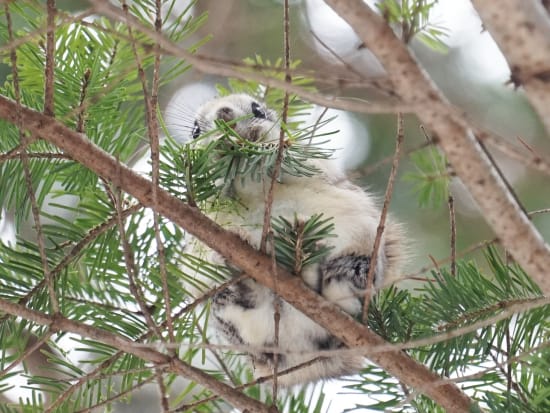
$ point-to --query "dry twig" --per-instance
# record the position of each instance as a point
(400, 135)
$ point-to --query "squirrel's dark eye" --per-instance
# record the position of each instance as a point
(257, 111)
(196, 130)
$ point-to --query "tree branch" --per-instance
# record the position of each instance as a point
(240, 254)
(218, 67)
(522, 31)
(59, 323)
(500, 209)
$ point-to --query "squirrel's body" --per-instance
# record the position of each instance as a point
(243, 313)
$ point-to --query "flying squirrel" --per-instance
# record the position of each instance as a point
(242, 314)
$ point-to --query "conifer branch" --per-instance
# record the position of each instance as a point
(506, 217)
(131, 268)
(108, 400)
(175, 365)
(259, 380)
(75, 251)
(522, 31)
(96, 373)
(452, 222)
(49, 108)
(400, 135)
(50, 283)
(535, 161)
(28, 351)
(211, 65)
(238, 253)
(153, 129)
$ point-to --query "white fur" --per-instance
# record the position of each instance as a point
(355, 217)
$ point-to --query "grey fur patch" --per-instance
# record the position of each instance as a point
(240, 294)
(230, 332)
(350, 268)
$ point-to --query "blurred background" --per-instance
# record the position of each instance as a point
(470, 71)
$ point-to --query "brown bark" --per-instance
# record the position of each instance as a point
(522, 31)
(498, 205)
(59, 323)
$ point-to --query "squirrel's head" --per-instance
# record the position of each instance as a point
(251, 119)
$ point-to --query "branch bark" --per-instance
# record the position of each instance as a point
(522, 31)
(220, 67)
(242, 255)
(499, 207)
(59, 323)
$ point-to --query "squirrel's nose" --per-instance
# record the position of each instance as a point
(226, 114)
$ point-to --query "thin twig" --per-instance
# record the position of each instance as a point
(131, 268)
(276, 320)
(155, 162)
(498, 170)
(448, 259)
(49, 108)
(220, 361)
(452, 219)
(382, 222)
(316, 124)
(259, 380)
(164, 402)
(436, 266)
(349, 68)
(118, 396)
(387, 160)
(275, 176)
(27, 172)
(534, 160)
(28, 351)
(16, 153)
(540, 211)
(209, 294)
(81, 109)
(151, 106)
(221, 67)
